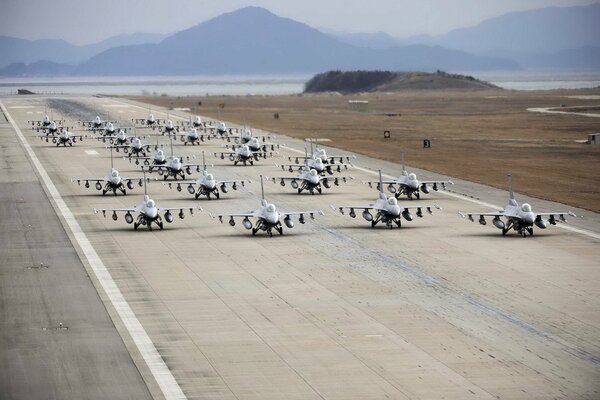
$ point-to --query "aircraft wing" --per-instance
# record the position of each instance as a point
(435, 184)
(339, 159)
(290, 167)
(552, 216)
(248, 214)
(191, 209)
(336, 179)
(481, 215)
(311, 213)
(372, 206)
(114, 210)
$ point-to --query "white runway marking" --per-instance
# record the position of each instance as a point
(458, 196)
(167, 383)
(549, 110)
(12, 107)
(92, 153)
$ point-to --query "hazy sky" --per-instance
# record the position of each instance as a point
(88, 21)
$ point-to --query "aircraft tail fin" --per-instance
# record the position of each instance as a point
(380, 183)
(402, 162)
(511, 195)
(145, 189)
(262, 187)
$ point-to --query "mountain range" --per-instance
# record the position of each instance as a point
(252, 40)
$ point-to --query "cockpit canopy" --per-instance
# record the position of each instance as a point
(321, 153)
(525, 207)
(271, 208)
(150, 203)
(318, 160)
(392, 201)
(160, 152)
(313, 172)
(412, 177)
(175, 160)
(114, 173)
(209, 177)
(245, 148)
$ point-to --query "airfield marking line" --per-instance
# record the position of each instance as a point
(547, 110)
(458, 196)
(161, 373)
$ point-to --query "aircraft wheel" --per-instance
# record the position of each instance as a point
(217, 195)
(503, 231)
(418, 195)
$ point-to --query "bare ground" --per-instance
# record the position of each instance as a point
(475, 135)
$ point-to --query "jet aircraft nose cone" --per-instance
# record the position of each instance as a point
(529, 218)
(272, 218)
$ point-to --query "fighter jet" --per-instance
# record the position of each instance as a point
(50, 129)
(112, 182)
(329, 161)
(207, 185)
(255, 145)
(64, 137)
(174, 167)
(246, 136)
(45, 123)
(109, 129)
(316, 164)
(190, 136)
(168, 128)
(409, 185)
(149, 121)
(95, 124)
(520, 218)
(147, 211)
(267, 217)
(120, 138)
(387, 210)
(243, 154)
(309, 180)
(135, 147)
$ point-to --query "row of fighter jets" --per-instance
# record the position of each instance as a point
(312, 177)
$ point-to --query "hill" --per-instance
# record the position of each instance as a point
(39, 68)
(252, 40)
(14, 50)
(386, 81)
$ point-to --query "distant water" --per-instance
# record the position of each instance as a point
(259, 84)
(540, 80)
(158, 85)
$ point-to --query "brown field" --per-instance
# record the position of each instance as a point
(475, 135)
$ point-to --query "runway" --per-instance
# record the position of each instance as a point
(331, 310)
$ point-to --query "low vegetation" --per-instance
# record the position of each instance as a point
(386, 81)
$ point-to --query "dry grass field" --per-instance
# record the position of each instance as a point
(475, 135)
